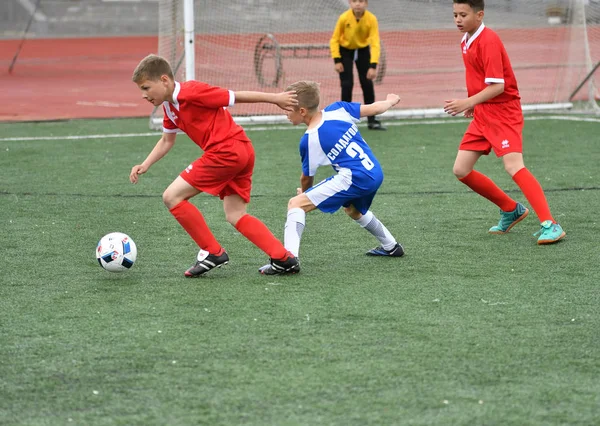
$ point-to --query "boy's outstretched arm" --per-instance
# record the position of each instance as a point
(285, 100)
(379, 107)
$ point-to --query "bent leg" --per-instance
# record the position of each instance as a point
(252, 228)
(464, 162)
(178, 191)
(294, 226)
(529, 185)
(176, 198)
(550, 232)
(296, 221)
(480, 183)
(369, 222)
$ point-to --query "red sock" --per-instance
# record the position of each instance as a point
(190, 218)
(486, 187)
(534, 193)
(258, 233)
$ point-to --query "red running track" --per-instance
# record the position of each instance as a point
(91, 77)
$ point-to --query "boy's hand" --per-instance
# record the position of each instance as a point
(339, 67)
(371, 74)
(136, 171)
(392, 98)
(286, 100)
(469, 113)
(456, 106)
(298, 191)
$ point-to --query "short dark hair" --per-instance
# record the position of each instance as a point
(476, 5)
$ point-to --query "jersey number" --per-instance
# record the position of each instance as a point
(354, 149)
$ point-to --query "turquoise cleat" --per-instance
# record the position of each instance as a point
(509, 219)
(550, 233)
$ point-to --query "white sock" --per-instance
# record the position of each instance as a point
(377, 229)
(294, 227)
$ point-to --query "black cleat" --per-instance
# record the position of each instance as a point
(376, 125)
(206, 262)
(396, 251)
(281, 267)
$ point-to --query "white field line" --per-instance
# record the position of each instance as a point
(107, 104)
(290, 127)
(78, 137)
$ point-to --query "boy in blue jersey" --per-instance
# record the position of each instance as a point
(333, 139)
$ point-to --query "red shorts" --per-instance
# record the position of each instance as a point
(225, 171)
(495, 126)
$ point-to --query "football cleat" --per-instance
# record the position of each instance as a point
(206, 262)
(280, 267)
(396, 251)
(550, 233)
(509, 219)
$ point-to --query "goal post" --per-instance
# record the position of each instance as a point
(267, 44)
(189, 39)
(176, 43)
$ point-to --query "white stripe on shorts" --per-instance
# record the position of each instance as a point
(328, 188)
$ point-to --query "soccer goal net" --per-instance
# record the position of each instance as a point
(265, 45)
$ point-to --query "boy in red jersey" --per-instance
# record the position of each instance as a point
(225, 169)
(494, 103)
(355, 39)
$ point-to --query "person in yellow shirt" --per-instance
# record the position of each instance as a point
(356, 39)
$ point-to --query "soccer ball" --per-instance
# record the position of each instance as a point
(116, 252)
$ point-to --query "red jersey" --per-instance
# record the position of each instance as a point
(200, 111)
(487, 62)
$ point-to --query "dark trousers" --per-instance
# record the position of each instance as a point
(362, 58)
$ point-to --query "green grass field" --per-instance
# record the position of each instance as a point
(466, 329)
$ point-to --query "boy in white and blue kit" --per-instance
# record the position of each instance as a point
(333, 139)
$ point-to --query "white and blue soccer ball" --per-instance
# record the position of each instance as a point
(116, 252)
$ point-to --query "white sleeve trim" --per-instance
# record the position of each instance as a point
(494, 80)
(165, 130)
(231, 98)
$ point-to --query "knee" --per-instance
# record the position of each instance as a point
(512, 169)
(299, 202)
(293, 203)
(352, 212)
(234, 217)
(460, 171)
(347, 83)
(170, 200)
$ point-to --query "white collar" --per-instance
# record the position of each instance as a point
(470, 40)
(175, 94)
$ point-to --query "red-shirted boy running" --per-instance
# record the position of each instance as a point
(494, 103)
(225, 169)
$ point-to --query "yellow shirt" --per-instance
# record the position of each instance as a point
(355, 35)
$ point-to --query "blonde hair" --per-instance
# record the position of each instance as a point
(308, 94)
(152, 67)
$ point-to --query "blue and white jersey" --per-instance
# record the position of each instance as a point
(337, 142)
